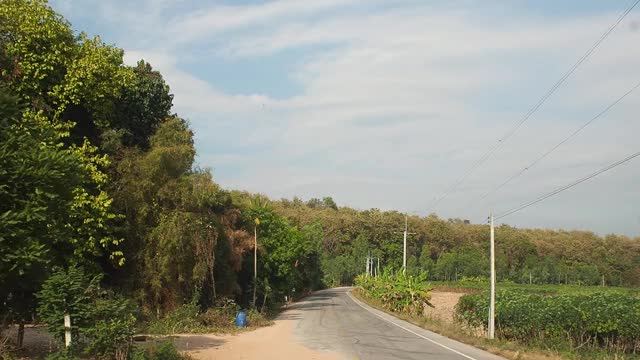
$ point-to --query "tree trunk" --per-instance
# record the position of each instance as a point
(213, 282)
(255, 287)
(264, 302)
(20, 338)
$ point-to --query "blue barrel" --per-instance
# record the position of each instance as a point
(241, 319)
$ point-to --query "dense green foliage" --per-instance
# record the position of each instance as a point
(605, 319)
(473, 285)
(189, 318)
(293, 254)
(54, 209)
(449, 250)
(67, 292)
(102, 323)
(399, 293)
(97, 174)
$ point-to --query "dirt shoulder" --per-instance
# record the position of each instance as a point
(274, 342)
(277, 341)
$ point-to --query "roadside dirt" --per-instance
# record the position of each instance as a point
(275, 342)
(37, 341)
(444, 305)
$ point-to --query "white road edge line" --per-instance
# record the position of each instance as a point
(413, 332)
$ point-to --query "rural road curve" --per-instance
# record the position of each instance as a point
(333, 320)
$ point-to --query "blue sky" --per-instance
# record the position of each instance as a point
(386, 104)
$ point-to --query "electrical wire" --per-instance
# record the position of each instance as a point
(535, 108)
(566, 187)
(554, 148)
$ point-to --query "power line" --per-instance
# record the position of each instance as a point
(571, 136)
(561, 189)
(535, 108)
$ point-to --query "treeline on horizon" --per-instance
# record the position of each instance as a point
(97, 175)
(453, 249)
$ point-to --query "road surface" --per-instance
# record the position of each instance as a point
(333, 321)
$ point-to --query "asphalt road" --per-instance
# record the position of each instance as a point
(332, 320)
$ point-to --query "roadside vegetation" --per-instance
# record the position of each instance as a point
(396, 292)
(552, 321)
(220, 318)
(607, 321)
(476, 284)
(104, 211)
(106, 216)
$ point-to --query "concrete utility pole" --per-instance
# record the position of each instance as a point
(404, 253)
(492, 303)
(372, 269)
(368, 265)
(378, 268)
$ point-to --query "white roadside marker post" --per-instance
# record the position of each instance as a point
(67, 330)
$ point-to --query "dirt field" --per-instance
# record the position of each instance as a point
(444, 305)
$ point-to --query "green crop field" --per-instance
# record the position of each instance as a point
(607, 320)
(547, 289)
(572, 320)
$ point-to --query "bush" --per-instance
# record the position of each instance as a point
(184, 319)
(474, 280)
(256, 318)
(64, 354)
(113, 329)
(164, 350)
(605, 320)
(67, 292)
(102, 323)
(398, 293)
(221, 315)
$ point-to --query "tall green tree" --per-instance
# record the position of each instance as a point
(142, 106)
(46, 217)
(66, 82)
(40, 44)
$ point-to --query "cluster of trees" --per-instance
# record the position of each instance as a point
(97, 175)
(452, 249)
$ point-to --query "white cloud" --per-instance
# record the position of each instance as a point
(194, 96)
(221, 18)
(397, 104)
